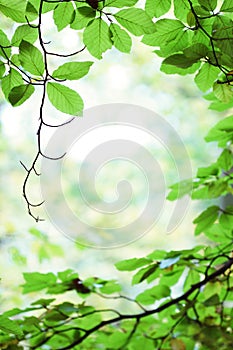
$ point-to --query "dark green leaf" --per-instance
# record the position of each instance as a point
(31, 58)
(135, 21)
(96, 37)
(196, 51)
(83, 16)
(19, 94)
(180, 61)
(64, 99)
(72, 70)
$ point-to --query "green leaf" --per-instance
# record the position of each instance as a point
(227, 6)
(31, 58)
(64, 99)
(36, 281)
(167, 30)
(120, 3)
(180, 189)
(181, 9)
(196, 51)
(212, 301)
(25, 33)
(157, 9)
(221, 132)
(121, 39)
(2, 69)
(206, 76)
(31, 12)
(9, 326)
(192, 278)
(63, 15)
(210, 5)
(135, 21)
(206, 219)
(10, 81)
(217, 188)
(19, 94)
(223, 92)
(96, 37)
(15, 9)
(132, 264)
(110, 287)
(43, 302)
(149, 296)
(191, 20)
(169, 69)
(72, 70)
(225, 160)
(83, 15)
(180, 61)
(222, 34)
(4, 42)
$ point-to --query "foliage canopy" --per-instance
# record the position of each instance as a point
(195, 39)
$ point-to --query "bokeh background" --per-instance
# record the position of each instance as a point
(26, 246)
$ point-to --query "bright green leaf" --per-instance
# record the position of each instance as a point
(120, 3)
(63, 15)
(5, 51)
(31, 58)
(132, 264)
(135, 21)
(64, 99)
(10, 81)
(121, 39)
(9, 326)
(206, 76)
(15, 9)
(157, 9)
(36, 281)
(223, 92)
(206, 219)
(72, 70)
(25, 33)
(149, 296)
(96, 37)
